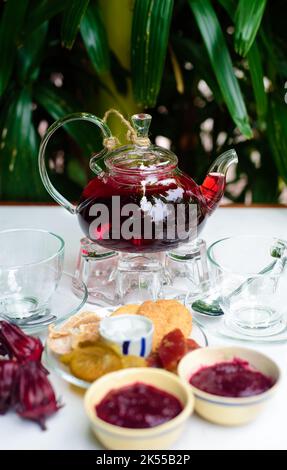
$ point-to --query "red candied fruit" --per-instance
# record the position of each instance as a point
(172, 348)
(191, 345)
(153, 360)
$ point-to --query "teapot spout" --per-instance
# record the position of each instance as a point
(223, 162)
(214, 183)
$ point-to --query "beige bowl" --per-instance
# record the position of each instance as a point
(160, 437)
(224, 410)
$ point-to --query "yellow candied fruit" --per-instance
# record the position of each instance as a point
(90, 367)
(133, 361)
(90, 361)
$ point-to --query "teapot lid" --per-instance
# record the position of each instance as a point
(140, 155)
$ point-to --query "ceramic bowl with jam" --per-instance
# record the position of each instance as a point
(138, 408)
(231, 385)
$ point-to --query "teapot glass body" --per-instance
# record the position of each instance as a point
(139, 201)
(142, 202)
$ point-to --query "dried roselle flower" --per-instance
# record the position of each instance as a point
(8, 377)
(35, 397)
(3, 351)
(18, 344)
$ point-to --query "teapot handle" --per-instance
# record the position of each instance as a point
(41, 158)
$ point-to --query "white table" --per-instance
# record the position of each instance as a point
(69, 429)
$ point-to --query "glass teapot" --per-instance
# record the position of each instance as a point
(139, 201)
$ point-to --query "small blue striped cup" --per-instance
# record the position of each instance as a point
(131, 333)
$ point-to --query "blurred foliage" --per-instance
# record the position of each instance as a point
(212, 73)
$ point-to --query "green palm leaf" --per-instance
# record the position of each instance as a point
(19, 176)
(247, 21)
(71, 21)
(95, 38)
(58, 104)
(221, 62)
(191, 50)
(31, 54)
(255, 67)
(229, 6)
(10, 28)
(43, 11)
(150, 31)
(256, 73)
(277, 134)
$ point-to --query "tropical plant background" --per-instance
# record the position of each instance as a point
(212, 73)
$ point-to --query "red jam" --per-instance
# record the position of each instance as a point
(138, 406)
(231, 379)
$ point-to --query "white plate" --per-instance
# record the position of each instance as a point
(52, 362)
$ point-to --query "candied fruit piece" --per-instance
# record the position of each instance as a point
(90, 366)
(191, 345)
(133, 361)
(66, 358)
(153, 360)
(172, 348)
(92, 361)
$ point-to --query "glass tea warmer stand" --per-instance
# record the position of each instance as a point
(140, 215)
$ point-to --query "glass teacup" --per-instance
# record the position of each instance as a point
(250, 274)
(31, 265)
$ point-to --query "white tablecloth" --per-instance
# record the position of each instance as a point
(69, 429)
